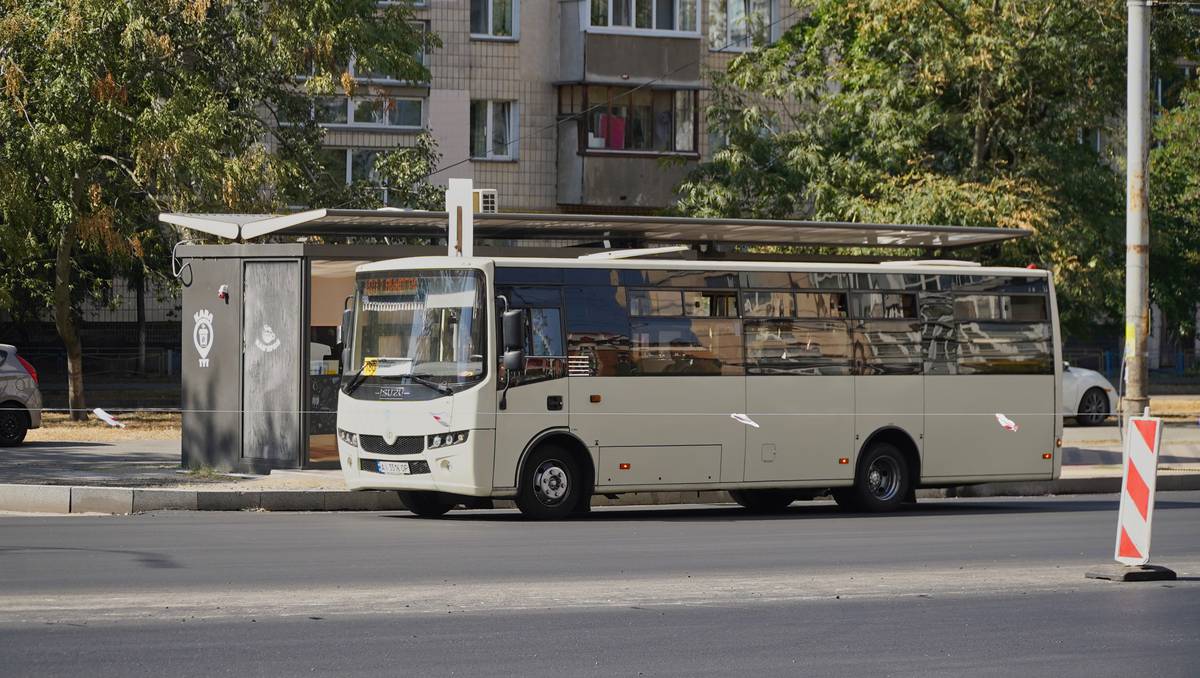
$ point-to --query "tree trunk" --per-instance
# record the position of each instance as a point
(140, 282)
(979, 150)
(66, 322)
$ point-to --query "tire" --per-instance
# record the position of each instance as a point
(14, 424)
(882, 482)
(764, 501)
(425, 504)
(1093, 408)
(551, 485)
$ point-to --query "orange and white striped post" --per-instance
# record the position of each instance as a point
(1139, 476)
(1136, 514)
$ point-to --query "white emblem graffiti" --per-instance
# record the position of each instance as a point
(202, 334)
(267, 341)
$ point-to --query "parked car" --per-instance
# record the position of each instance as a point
(20, 399)
(1087, 396)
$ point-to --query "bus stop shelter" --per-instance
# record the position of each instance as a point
(263, 297)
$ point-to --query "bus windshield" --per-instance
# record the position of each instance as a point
(424, 328)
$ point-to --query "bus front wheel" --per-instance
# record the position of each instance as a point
(425, 504)
(881, 483)
(551, 485)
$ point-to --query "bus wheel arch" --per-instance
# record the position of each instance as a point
(893, 444)
(543, 451)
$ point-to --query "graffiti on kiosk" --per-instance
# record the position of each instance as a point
(202, 334)
(267, 341)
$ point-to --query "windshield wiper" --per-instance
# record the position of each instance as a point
(435, 385)
(356, 380)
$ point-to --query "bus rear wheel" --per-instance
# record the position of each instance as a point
(763, 501)
(882, 482)
(424, 504)
(552, 485)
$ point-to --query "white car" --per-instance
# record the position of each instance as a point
(20, 399)
(1087, 396)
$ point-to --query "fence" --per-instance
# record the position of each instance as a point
(115, 362)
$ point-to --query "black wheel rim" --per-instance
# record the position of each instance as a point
(1093, 407)
(9, 428)
(883, 478)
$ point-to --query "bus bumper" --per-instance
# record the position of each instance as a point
(464, 469)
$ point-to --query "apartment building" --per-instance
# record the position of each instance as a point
(574, 105)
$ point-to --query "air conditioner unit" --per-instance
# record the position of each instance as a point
(485, 200)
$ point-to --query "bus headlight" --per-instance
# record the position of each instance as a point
(446, 439)
(349, 438)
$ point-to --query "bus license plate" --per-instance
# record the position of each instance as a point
(397, 467)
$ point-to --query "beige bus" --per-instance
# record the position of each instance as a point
(549, 381)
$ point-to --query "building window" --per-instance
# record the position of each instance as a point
(349, 165)
(632, 119)
(494, 18)
(493, 127)
(645, 15)
(394, 112)
(735, 24)
(387, 112)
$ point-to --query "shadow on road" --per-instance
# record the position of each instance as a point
(824, 510)
(147, 559)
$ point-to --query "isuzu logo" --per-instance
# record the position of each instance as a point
(392, 392)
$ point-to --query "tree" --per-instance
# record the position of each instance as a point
(1175, 212)
(113, 112)
(935, 111)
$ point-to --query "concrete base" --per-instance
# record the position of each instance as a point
(1132, 573)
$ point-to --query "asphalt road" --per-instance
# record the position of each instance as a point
(987, 587)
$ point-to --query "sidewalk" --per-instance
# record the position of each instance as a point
(144, 475)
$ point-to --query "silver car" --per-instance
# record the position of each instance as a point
(20, 399)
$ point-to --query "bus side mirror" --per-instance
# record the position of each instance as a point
(513, 330)
(513, 333)
(514, 360)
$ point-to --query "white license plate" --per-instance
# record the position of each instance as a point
(400, 467)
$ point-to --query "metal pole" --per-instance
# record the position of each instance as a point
(1137, 218)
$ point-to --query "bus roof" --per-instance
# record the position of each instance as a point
(699, 265)
(333, 223)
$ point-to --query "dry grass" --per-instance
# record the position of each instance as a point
(1175, 407)
(57, 426)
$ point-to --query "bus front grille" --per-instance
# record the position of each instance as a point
(403, 445)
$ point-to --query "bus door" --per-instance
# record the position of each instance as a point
(537, 398)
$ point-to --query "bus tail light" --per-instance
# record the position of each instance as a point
(1047, 455)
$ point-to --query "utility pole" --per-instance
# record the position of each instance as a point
(1137, 213)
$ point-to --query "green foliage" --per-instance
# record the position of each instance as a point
(936, 111)
(406, 172)
(113, 112)
(1175, 212)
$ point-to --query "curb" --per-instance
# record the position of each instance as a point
(124, 500)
